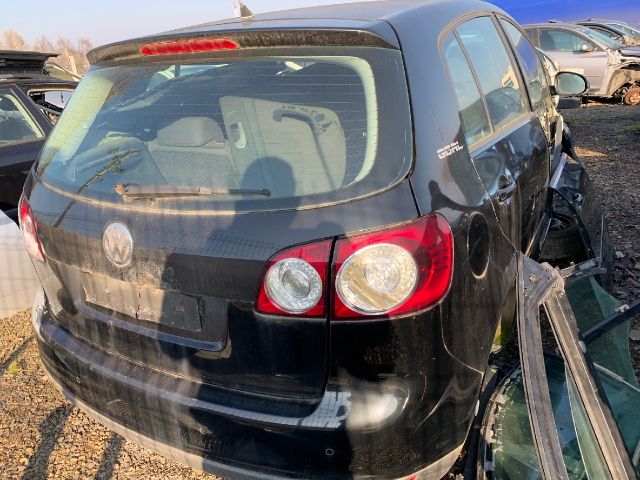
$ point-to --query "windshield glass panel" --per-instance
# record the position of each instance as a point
(610, 352)
(599, 37)
(303, 128)
(632, 32)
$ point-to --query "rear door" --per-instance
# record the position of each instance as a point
(508, 141)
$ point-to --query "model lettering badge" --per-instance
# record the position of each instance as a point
(449, 150)
(118, 244)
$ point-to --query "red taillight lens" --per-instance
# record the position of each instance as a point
(28, 227)
(382, 274)
(188, 46)
(295, 281)
(393, 272)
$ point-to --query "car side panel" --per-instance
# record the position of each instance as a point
(447, 182)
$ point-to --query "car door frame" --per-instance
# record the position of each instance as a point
(540, 285)
(478, 148)
(16, 156)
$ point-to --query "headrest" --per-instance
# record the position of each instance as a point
(190, 132)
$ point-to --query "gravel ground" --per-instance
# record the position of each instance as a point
(43, 436)
(608, 138)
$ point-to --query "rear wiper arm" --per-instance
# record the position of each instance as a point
(136, 192)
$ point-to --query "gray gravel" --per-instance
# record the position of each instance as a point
(43, 436)
(609, 144)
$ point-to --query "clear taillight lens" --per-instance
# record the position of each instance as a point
(393, 272)
(377, 279)
(293, 285)
(295, 281)
(28, 228)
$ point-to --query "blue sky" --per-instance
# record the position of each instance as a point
(105, 21)
(112, 20)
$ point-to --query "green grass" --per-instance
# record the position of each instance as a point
(14, 368)
(632, 127)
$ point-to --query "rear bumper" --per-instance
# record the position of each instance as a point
(175, 418)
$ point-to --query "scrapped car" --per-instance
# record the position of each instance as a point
(613, 69)
(30, 102)
(617, 32)
(284, 246)
(575, 392)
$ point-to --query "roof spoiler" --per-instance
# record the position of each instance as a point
(244, 39)
(12, 61)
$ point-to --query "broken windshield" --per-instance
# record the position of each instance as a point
(604, 324)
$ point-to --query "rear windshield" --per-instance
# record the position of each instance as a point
(254, 133)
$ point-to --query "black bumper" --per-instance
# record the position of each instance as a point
(350, 434)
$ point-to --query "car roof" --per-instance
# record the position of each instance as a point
(388, 11)
(375, 17)
(363, 11)
(550, 25)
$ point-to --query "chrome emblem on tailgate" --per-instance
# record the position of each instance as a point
(118, 244)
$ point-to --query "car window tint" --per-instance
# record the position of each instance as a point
(475, 121)
(496, 74)
(531, 34)
(51, 102)
(16, 125)
(604, 31)
(304, 128)
(560, 41)
(532, 67)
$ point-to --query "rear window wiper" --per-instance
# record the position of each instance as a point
(137, 192)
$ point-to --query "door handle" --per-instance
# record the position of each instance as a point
(506, 187)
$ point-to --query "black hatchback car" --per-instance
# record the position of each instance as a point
(282, 246)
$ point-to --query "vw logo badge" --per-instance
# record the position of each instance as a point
(118, 244)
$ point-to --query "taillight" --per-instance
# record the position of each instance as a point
(295, 281)
(380, 274)
(188, 46)
(28, 227)
(393, 272)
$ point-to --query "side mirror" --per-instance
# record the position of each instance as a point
(570, 84)
(587, 47)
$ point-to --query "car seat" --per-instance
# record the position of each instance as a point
(193, 151)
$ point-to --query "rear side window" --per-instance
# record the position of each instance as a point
(472, 112)
(496, 73)
(252, 133)
(16, 125)
(532, 67)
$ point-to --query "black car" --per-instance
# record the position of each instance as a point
(284, 246)
(30, 102)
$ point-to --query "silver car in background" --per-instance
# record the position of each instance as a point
(617, 31)
(612, 68)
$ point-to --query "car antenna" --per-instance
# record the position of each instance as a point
(241, 10)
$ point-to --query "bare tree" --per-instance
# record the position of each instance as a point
(67, 53)
(13, 40)
(84, 46)
(43, 44)
(72, 56)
